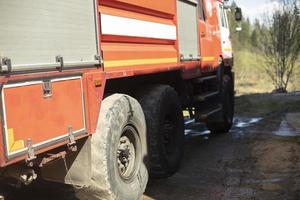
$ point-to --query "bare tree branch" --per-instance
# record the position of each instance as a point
(280, 43)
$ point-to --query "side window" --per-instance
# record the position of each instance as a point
(222, 17)
(226, 18)
(202, 15)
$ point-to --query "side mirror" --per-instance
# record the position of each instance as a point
(238, 14)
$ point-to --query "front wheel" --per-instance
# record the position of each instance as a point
(222, 122)
(119, 150)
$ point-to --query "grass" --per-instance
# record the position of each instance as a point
(251, 76)
(265, 104)
(298, 140)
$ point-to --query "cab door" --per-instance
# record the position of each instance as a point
(206, 39)
(226, 46)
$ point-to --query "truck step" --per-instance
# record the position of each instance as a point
(206, 78)
(205, 115)
(205, 96)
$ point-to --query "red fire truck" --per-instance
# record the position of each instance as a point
(92, 92)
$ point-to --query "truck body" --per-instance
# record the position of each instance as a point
(60, 59)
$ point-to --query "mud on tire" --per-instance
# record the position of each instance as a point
(165, 131)
(119, 151)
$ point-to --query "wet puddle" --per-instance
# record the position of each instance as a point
(246, 122)
(195, 129)
(289, 126)
(273, 180)
(195, 133)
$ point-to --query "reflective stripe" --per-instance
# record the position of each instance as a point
(12, 144)
(123, 63)
(227, 49)
(208, 58)
(113, 25)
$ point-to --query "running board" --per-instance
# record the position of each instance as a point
(205, 96)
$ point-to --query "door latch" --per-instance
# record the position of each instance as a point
(72, 142)
(47, 89)
(30, 153)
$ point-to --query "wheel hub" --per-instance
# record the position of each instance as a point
(126, 153)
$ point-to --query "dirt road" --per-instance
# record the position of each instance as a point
(258, 159)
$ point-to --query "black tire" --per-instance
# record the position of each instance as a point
(165, 130)
(120, 139)
(222, 122)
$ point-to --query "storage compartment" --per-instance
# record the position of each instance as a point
(41, 113)
(188, 29)
(35, 34)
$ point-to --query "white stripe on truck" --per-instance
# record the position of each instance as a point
(113, 25)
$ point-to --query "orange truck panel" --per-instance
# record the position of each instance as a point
(94, 84)
(210, 36)
(165, 6)
(42, 118)
(137, 43)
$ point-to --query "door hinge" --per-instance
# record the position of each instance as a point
(60, 60)
(47, 89)
(5, 64)
(100, 59)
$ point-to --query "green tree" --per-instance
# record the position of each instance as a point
(256, 34)
(244, 35)
(254, 38)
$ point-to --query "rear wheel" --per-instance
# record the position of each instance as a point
(165, 131)
(119, 151)
(222, 122)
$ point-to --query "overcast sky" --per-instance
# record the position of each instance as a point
(256, 8)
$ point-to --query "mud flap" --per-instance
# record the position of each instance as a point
(74, 169)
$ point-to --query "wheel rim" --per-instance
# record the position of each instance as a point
(127, 155)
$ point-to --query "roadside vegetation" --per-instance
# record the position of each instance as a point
(267, 52)
(263, 105)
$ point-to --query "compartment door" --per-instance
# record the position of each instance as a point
(188, 29)
(42, 113)
(46, 34)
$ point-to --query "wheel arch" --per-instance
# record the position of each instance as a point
(130, 85)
